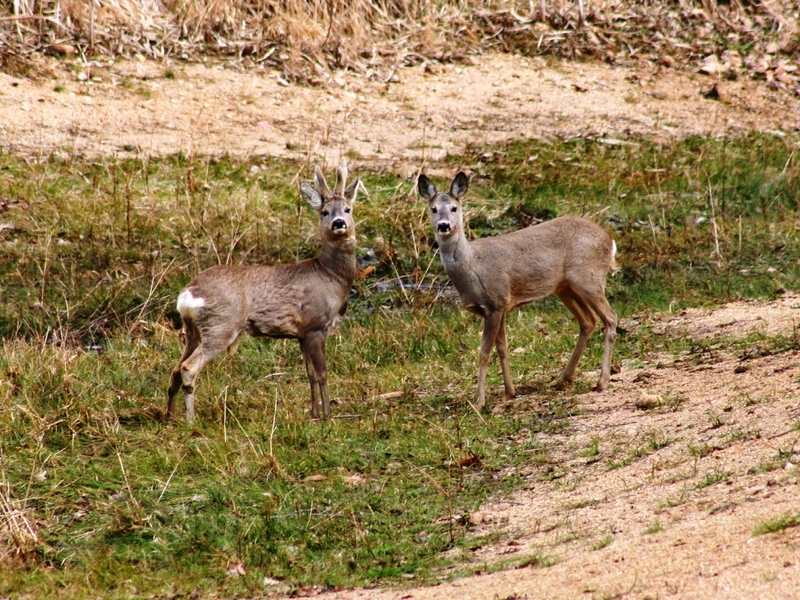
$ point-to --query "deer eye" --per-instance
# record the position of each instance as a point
(453, 209)
(347, 210)
(325, 213)
(433, 210)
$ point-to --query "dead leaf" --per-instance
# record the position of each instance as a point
(60, 50)
(468, 460)
(314, 478)
(712, 66)
(365, 272)
(235, 568)
(667, 61)
(355, 479)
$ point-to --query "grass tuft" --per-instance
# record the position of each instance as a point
(777, 524)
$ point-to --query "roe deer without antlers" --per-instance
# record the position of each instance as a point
(303, 300)
(568, 256)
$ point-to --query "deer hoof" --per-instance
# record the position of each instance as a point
(561, 384)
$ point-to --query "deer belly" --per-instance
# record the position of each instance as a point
(278, 328)
(475, 309)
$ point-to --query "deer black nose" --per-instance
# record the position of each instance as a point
(443, 227)
(338, 224)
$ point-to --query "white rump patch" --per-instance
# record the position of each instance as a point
(615, 268)
(188, 304)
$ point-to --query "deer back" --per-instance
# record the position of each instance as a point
(525, 265)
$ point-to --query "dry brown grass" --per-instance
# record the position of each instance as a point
(310, 39)
(18, 535)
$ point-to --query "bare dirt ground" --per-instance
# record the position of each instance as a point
(662, 481)
(665, 476)
(151, 109)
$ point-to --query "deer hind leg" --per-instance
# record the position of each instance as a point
(502, 352)
(491, 327)
(315, 351)
(586, 321)
(192, 341)
(600, 305)
(211, 344)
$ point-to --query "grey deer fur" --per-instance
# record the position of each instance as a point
(303, 300)
(568, 256)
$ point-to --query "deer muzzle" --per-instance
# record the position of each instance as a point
(443, 227)
(339, 225)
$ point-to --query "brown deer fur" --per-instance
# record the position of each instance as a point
(303, 300)
(568, 256)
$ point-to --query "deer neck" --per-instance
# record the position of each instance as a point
(339, 260)
(457, 256)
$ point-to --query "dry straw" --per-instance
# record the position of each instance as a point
(18, 536)
(309, 39)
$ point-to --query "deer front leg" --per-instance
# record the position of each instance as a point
(311, 373)
(315, 348)
(502, 352)
(491, 326)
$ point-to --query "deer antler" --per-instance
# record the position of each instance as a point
(341, 177)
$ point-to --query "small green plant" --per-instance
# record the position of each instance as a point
(592, 452)
(603, 542)
(737, 434)
(536, 561)
(654, 528)
(59, 88)
(777, 524)
(677, 501)
(714, 477)
(716, 420)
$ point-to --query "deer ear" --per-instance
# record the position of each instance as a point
(311, 196)
(352, 190)
(426, 188)
(459, 186)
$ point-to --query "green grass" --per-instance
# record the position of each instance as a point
(777, 524)
(654, 528)
(603, 542)
(94, 253)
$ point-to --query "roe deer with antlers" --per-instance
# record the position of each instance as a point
(303, 300)
(568, 256)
